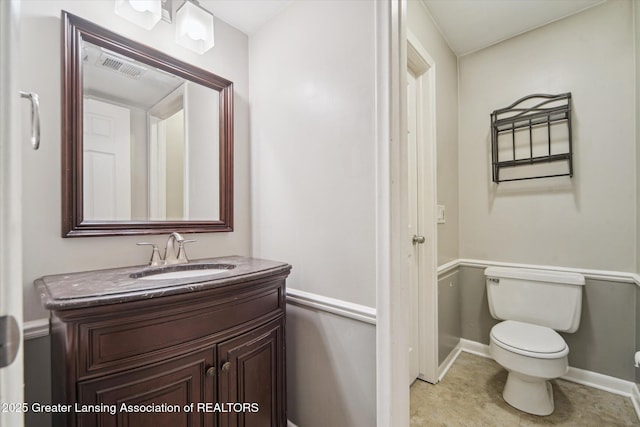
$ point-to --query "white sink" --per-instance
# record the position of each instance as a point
(182, 271)
(183, 274)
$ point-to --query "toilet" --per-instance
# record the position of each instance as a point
(533, 305)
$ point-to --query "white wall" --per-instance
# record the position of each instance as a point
(45, 252)
(313, 147)
(203, 158)
(588, 221)
(422, 26)
(139, 175)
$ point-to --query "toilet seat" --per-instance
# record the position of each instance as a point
(529, 340)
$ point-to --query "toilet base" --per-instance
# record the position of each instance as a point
(529, 394)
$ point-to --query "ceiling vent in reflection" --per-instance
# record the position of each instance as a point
(121, 66)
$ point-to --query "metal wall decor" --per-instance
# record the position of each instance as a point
(521, 137)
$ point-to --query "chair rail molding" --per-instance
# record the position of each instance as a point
(332, 305)
(37, 328)
(606, 275)
(40, 327)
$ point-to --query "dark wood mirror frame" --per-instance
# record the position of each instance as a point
(75, 30)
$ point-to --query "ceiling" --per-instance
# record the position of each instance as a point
(246, 15)
(471, 25)
(468, 25)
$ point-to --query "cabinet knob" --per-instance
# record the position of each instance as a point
(226, 366)
(211, 372)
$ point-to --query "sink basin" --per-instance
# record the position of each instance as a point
(135, 283)
(182, 271)
(182, 274)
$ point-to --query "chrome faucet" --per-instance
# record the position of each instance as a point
(172, 255)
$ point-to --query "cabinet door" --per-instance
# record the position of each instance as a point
(252, 374)
(154, 396)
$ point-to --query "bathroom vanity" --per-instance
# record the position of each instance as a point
(199, 344)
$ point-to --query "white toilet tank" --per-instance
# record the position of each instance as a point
(542, 297)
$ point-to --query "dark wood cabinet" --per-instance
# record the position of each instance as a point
(168, 386)
(253, 371)
(211, 357)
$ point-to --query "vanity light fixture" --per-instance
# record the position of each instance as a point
(194, 27)
(145, 13)
(194, 24)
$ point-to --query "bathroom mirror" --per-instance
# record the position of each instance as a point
(147, 140)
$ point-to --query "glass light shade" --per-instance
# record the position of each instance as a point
(194, 28)
(145, 13)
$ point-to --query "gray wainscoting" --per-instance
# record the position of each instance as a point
(449, 318)
(331, 363)
(331, 369)
(474, 306)
(605, 341)
(37, 379)
(609, 334)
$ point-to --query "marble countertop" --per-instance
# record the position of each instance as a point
(101, 287)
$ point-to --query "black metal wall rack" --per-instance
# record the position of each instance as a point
(545, 110)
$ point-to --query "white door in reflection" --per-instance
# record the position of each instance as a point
(107, 161)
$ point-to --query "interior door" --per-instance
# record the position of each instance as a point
(107, 161)
(421, 202)
(413, 233)
(11, 365)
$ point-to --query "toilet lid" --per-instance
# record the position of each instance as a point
(528, 338)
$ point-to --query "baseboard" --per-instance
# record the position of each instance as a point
(600, 381)
(604, 382)
(448, 361)
(475, 347)
(635, 398)
(575, 375)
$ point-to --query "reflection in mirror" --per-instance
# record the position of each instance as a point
(146, 150)
(147, 140)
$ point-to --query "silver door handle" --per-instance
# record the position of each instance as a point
(35, 118)
(9, 340)
(418, 239)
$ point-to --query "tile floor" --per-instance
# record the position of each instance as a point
(471, 395)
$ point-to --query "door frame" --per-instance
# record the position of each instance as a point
(422, 65)
(392, 319)
(11, 377)
(157, 151)
(411, 196)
